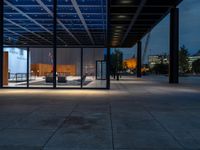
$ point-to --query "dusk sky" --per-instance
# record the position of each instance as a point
(189, 31)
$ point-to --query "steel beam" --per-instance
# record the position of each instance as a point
(108, 69)
(54, 42)
(39, 13)
(174, 46)
(25, 15)
(76, 7)
(81, 67)
(108, 46)
(27, 30)
(139, 59)
(13, 32)
(1, 42)
(88, 19)
(28, 67)
(134, 20)
(102, 11)
(29, 18)
(65, 6)
(58, 20)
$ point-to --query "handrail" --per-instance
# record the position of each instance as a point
(20, 77)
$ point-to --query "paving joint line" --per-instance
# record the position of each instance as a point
(111, 124)
(59, 127)
(163, 126)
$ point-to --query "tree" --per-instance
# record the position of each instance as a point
(183, 59)
(196, 66)
(116, 63)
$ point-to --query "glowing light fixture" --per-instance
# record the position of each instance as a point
(122, 16)
(118, 27)
(126, 2)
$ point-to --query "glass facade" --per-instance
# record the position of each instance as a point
(45, 44)
(81, 24)
(75, 67)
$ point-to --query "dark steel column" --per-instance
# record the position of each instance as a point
(1, 43)
(28, 68)
(174, 46)
(139, 57)
(81, 67)
(108, 46)
(108, 68)
(54, 42)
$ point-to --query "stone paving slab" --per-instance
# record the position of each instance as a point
(136, 114)
(20, 148)
(38, 121)
(59, 148)
(80, 139)
(24, 137)
(144, 139)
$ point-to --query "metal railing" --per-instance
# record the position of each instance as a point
(20, 77)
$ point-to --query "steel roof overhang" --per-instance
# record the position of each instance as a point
(131, 20)
(82, 23)
(79, 22)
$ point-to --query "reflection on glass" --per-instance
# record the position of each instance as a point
(68, 67)
(41, 67)
(27, 24)
(101, 70)
(14, 67)
(94, 68)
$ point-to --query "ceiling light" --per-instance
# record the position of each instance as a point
(116, 33)
(118, 27)
(126, 2)
(118, 30)
(121, 16)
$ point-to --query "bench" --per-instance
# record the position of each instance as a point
(62, 79)
(49, 79)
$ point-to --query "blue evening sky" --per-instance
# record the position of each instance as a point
(189, 31)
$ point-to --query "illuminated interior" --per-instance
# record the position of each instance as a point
(29, 39)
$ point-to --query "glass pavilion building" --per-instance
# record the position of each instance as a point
(66, 43)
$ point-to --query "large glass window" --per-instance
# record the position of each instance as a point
(41, 67)
(14, 67)
(68, 67)
(28, 24)
(28, 55)
(94, 68)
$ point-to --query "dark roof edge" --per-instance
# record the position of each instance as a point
(178, 2)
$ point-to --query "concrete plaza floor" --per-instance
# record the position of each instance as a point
(136, 114)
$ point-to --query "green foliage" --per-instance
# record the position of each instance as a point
(116, 62)
(196, 66)
(183, 59)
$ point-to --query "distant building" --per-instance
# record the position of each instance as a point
(193, 58)
(157, 59)
(131, 63)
